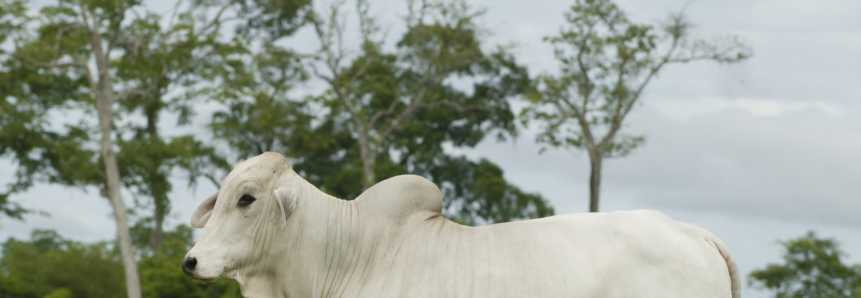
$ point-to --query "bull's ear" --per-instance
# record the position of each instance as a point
(286, 198)
(203, 212)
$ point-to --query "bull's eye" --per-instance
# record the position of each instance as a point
(245, 200)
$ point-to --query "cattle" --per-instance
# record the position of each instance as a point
(279, 236)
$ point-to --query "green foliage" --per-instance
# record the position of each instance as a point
(259, 115)
(158, 58)
(606, 61)
(273, 19)
(812, 268)
(151, 59)
(148, 162)
(477, 193)
(33, 95)
(42, 151)
(13, 16)
(28, 100)
(393, 111)
(49, 265)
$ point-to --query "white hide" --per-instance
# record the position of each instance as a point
(296, 241)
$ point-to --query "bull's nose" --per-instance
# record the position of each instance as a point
(188, 265)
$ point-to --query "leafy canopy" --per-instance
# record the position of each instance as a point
(49, 265)
(812, 267)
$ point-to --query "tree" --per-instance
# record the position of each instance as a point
(319, 135)
(159, 58)
(260, 117)
(606, 62)
(184, 51)
(812, 268)
(49, 265)
(15, 117)
(152, 59)
(441, 42)
(72, 38)
(476, 193)
(29, 97)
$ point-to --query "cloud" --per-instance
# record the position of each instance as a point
(793, 166)
(788, 161)
(682, 110)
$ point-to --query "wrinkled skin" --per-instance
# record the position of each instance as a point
(293, 240)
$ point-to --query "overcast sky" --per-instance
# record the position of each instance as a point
(756, 152)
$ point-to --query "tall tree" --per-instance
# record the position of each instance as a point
(606, 62)
(161, 54)
(442, 42)
(260, 115)
(813, 267)
(79, 37)
(29, 96)
(42, 152)
(186, 50)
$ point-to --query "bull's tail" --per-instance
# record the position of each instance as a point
(734, 276)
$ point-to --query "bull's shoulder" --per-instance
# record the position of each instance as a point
(401, 197)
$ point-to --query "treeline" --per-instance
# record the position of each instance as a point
(812, 267)
(87, 88)
(50, 266)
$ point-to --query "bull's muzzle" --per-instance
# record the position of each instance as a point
(188, 265)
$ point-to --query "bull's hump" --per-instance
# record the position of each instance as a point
(401, 197)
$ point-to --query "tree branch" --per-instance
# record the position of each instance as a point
(216, 19)
(414, 106)
(139, 90)
(116, 26)
(457, 106)
(212, 179)
(617, 123)
(617, 116)
(581, 119)
(173, 15)
(51, 65)
(584, 88)
(388, 111)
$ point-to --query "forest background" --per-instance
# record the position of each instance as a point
(756, 151)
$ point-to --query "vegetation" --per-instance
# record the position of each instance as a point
(384, 114)
(605, 62)
(812, 268)
(119, 73)
(47, 265)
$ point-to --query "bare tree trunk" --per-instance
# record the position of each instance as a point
(158, 232)
(158, 217)
(595, 160)
(161, 208)
(104, 104)
(158, 200)
(112, 187)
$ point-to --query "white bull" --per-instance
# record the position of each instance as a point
(279, 236)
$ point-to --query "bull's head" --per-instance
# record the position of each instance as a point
(246, 222)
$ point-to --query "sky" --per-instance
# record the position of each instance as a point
(755, 152)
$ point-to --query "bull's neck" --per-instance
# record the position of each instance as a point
(332, 237)
(342, 247)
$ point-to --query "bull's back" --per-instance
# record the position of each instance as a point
(618, 254)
